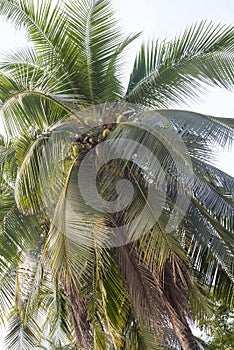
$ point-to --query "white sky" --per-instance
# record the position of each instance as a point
(163, 18)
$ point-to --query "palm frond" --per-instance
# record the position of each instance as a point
(99, 41)
(138, 337)
(227, 121)
(210, 130)
(46, 24)
(58, 318)
(7, 287)
(177, 70)
(144, 290)
(24, 105)
(21, 336)
(36, 185)
(218, 179)
(211, 250)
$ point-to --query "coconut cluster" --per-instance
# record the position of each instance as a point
(93, 138)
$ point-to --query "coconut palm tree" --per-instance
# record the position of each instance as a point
(77, 274)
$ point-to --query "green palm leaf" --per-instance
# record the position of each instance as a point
(100, 42)
(175, 71)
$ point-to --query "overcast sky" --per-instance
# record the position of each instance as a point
(163, 18)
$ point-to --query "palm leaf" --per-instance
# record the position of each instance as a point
(99, 41)
(177, 70)
(210, 130)
(45, 24)
(21, 336)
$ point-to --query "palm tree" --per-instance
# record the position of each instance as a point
(63, 275)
